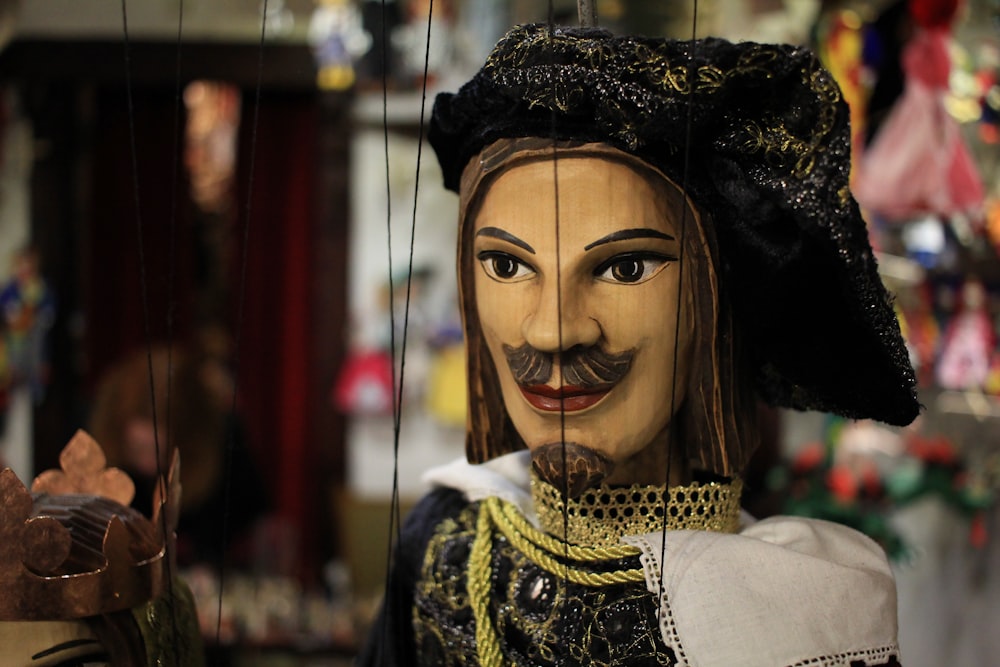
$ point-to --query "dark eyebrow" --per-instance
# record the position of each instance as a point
(623, 234)
(65, 646)
(498, 233)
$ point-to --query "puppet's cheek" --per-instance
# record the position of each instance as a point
(53, 642)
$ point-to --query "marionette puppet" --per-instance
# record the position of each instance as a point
(969, 341)
(85, 579)
(653, 235)
(918, 163)
(27, 311)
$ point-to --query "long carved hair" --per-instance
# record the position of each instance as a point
(715, 421)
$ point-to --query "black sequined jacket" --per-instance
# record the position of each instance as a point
(536, 618)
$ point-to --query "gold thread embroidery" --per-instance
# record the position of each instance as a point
(670, 74)
(522, 536)
(524, 611)
(542, 550)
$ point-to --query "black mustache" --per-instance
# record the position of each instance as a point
(581, 367)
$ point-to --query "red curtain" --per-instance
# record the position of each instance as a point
(277, 209)
(117, 297)
(275, 338)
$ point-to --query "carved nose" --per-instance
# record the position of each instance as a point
(556, 325)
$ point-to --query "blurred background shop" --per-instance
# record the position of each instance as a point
(220, 206)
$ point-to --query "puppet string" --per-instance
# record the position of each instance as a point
(559, 324)
(409, 277)
(143, 282)
(172, 246)
(230, 433)
(171, 306)
(392, 326)
(680, 285)
(395, 520)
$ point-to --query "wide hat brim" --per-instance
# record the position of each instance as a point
(758, 135)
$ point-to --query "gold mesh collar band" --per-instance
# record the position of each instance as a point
(603, 515)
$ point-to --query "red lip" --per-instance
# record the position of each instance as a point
(565, 399)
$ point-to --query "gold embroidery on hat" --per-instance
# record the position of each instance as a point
(781, 147)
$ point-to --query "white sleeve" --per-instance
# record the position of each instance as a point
(785, 592)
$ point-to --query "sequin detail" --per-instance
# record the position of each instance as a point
(539, 619)
(642, 76)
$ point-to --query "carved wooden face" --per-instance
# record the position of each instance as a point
(582, 321)
(46, 643)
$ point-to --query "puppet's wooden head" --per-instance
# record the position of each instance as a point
(84, 578)
(651, 232)
(592, 319)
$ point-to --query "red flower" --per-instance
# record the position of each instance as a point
(941, 451)
(871, 481)
(977, 531)
(842, 483)
(809, 457)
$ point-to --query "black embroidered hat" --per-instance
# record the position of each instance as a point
(764, 133)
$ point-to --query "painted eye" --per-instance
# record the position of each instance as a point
(503, 267)
(631, 268)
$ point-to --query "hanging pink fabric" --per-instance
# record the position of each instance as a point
(918, 163)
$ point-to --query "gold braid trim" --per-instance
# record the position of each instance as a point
(710, 506)
(539, 548)
(515, 527)
(480, 557)
(534, 544)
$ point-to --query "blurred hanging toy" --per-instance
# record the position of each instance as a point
(365, 384)
(840, 38)
(28, 308)
(411, 39)
(920, 330)
(928, 242)
(918, 163)
(992, 385)
(993, 223)
(86, 578)
(446, 386)
(5, 378)
(968, 342)
(338, 39)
